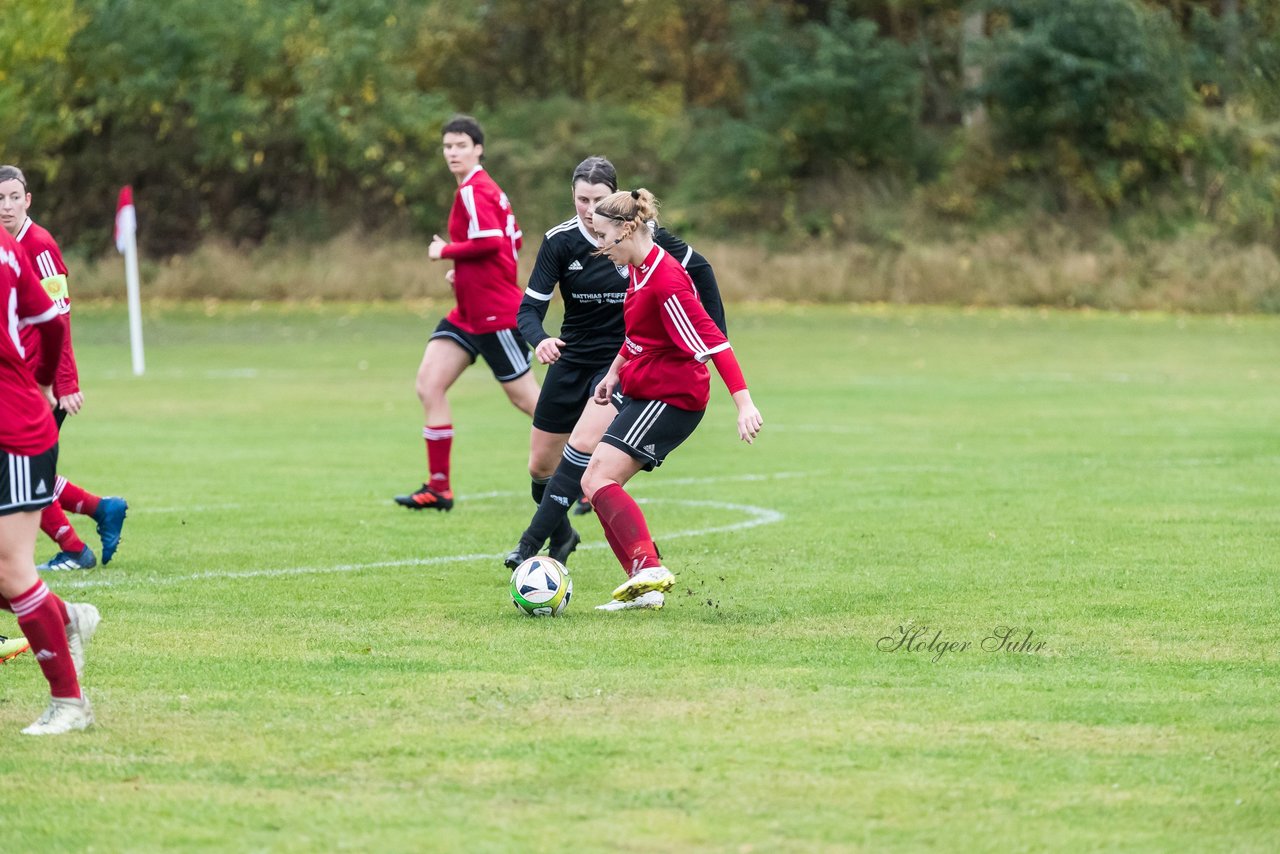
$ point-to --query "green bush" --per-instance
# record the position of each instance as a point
(226, 119)
(1095, 95)
(821, 97)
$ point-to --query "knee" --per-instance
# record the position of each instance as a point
(540, 469)
(428, 391)
(591, 482)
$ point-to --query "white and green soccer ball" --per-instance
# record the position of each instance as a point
(541, 587)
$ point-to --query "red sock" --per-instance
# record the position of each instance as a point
(75, 499)
(54, 523)
(439, 444)
(625, 528)
(62, 609)
(619, 550)
(39, 615)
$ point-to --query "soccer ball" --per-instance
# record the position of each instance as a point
(541, 587)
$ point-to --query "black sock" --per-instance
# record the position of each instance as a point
(552, 517)
(538, 486)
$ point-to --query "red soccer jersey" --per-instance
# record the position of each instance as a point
(670, 337)
(485, 239)
(46, 260)
(27, 427)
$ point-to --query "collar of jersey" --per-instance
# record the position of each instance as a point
(22, 232)
(655, 254)
(586, 233)
(472, 174)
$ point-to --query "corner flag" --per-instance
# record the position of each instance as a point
(126, 242)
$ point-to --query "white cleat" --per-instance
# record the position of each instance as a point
(653, 601)
(84, 622)
(65, 714)
(649, 579)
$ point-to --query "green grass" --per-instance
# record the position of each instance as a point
(288, 662)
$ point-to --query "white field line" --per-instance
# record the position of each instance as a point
(480, 496)
(756, 516)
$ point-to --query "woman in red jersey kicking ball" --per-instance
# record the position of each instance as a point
(56, 630)
(659, 384)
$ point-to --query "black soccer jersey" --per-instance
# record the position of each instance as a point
(592, 288)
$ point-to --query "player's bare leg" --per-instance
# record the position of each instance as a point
(442, 363)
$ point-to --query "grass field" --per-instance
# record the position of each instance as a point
(288, 662)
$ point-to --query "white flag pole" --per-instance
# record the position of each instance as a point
(127, 243)
(135, 304)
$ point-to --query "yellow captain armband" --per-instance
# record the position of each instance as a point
(55, 287)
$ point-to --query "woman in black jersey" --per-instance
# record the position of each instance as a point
(565, 429)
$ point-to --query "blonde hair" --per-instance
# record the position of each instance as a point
(634, 206)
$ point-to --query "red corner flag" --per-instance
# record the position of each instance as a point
(126, 219)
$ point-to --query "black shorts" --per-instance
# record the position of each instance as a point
(26, 483)
(566, 390)
(648, 430)
(505, 351)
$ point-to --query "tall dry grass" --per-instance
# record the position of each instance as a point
(1046, 266)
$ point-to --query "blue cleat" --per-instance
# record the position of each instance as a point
(69, 560)
(110, 519)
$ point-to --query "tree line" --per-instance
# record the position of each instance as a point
(262, 119)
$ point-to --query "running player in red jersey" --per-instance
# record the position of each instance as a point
(45, 259)
(56, 630)
(484, 239)
(659, 384)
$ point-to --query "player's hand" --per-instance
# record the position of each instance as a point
(448, 276)
(750, 421)
(548, 350)
(604, 390)
(71, 403)
(47, 391)
(436, 248)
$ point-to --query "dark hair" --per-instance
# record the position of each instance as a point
(464, 124)
(596, 170)
(10, 173)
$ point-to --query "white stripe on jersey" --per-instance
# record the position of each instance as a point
(468, 196)
(685, 328)
(687, 256)
(567, 225)
(44, 261)
(22, 232)
(39, 318)
(648, 416)
(530, 292)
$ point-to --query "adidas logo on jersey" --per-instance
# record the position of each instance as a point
(576, 265)
(562, 500)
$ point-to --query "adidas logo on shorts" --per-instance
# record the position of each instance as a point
(650, 450)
